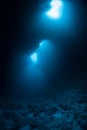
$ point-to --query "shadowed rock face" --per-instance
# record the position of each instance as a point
(66, 112)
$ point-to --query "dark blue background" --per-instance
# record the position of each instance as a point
(16, 39)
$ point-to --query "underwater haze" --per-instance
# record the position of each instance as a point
(43, 68)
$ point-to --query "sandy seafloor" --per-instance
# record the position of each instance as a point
(67, 111)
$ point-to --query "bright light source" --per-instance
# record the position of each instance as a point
(43, 42)
(53, 13)
(34, 57)
(56, 3)
(56, 8)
